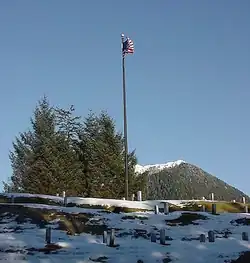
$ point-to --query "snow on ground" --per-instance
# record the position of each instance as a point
(147, 205)
(25, 195)
(132, 232)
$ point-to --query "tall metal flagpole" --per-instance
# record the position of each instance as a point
(125, 121)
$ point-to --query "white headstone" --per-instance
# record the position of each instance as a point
(139, 198)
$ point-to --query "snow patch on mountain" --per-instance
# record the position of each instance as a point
(157, 167)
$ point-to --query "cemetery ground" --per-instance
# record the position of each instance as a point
(39, 228)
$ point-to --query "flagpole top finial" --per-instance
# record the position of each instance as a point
(122, 35)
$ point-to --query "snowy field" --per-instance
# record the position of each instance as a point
(22, 234)
(147, 205)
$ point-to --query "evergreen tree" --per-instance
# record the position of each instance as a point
(102, 153)
(67, 123)
(43, 161)
(19, 159)
(61, 153)
(70, 126)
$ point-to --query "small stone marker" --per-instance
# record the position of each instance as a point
(212, 196)
(139, 198)
(243, 199)
(246, 208)
(214, 209)
(162, 236)
(57, 194)
(112, 238)
(63, 194)
(48, 235)
(123, 198)
(133, 197)
(202, 238)
(153, 237)
(166, 208)
(211, 236)
(245, 236)
(105, 237)
(65, 201)
(156, 209)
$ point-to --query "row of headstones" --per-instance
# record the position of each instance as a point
(139, 197)
(212, 198)
(48, 239)
(166, 208)
(153, 238)
(211, 237)
(65, 201)
(203, 209)
(214, 212)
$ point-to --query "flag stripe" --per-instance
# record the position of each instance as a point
(128, 47)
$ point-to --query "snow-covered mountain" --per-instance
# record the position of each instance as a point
(157, 167)
(185, 181)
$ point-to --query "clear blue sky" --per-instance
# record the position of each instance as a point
(188, 83)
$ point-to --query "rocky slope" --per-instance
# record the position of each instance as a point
(181, 180)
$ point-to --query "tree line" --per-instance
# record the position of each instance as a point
(65, 152)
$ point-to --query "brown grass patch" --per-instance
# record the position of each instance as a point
(71, 223)
(221, 207)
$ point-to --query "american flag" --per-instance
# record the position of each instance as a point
(127, 47)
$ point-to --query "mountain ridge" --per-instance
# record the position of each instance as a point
(142, 168)
(182, 180)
